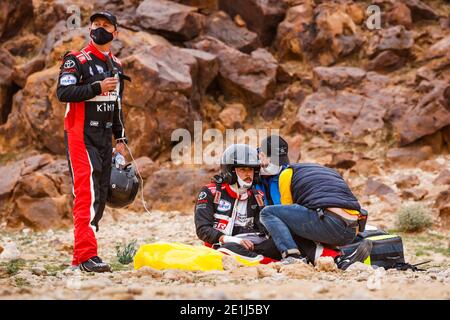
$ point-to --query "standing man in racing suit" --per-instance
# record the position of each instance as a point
(91, 83)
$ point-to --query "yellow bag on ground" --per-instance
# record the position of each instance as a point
(165, 255)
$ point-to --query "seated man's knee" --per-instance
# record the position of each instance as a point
(265, 213)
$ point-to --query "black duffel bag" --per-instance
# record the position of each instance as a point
(387, 250)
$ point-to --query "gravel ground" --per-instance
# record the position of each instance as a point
(43, 271)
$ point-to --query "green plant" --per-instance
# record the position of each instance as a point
(413, 218)
(420, 253)
(21, 282)
(54, 269)
(13, 266)
(116, 266)
(126, 252)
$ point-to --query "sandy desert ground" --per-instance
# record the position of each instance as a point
(43, 269)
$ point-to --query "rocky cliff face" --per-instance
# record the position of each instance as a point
(375, 104)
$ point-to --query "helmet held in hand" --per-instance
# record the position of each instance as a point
(123, 187)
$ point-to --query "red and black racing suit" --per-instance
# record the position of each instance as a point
(91, 119)
(214, 217)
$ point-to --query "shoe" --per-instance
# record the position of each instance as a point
(293, 259)
(95, 264)
(358, 255)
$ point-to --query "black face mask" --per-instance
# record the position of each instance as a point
(101, 36)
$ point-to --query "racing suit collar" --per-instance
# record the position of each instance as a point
(97, 52)
(233, 192)
(230, 191)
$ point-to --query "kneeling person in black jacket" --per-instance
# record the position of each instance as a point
(317, 205)
(227, 210)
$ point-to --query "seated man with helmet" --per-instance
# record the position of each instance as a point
(227, 210)
(273, 155)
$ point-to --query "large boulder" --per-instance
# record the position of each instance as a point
(10, 176)
(396, 38)
(389, 48)
(201, 4)
(356, 106)
(142, 130)
(22, 72)
(446, 132)
(25, 46)
(415, 194)
(290, 32)
(439, 49)
(14, 14)
(408, 156)
(377, 188)
(47, 13)
(338, 77)
(252, 78)
(443, 178)
(220, 26)
(344, 115)
(356, 11)
(42, 199)
(6, 84)
(420, 10)
(442, 204)
(175, 189)
(399, 14)
(146, 166)
(233, 116)
(321, 34)
(129, 42)
(59, 41)
(272, 109)
(208, 69)
(164, 87)
(343, 160)
(35, 115)
(171, 19)
(386, 61)
(431, 114)
(36, 192)
(261, 16)
(416, 10)
(158, 68)
(407, 181)
(12, 172)
(41, 213)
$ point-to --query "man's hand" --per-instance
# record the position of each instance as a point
(108, 84)
(120, 148)
(263, 159)
(247, 244)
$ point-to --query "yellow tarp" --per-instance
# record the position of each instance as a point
(164, 255)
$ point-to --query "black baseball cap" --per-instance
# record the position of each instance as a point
(108, 16)
(276, 148)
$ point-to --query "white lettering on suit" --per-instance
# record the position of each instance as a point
(105, 107)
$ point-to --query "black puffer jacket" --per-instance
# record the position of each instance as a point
(315, 186)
